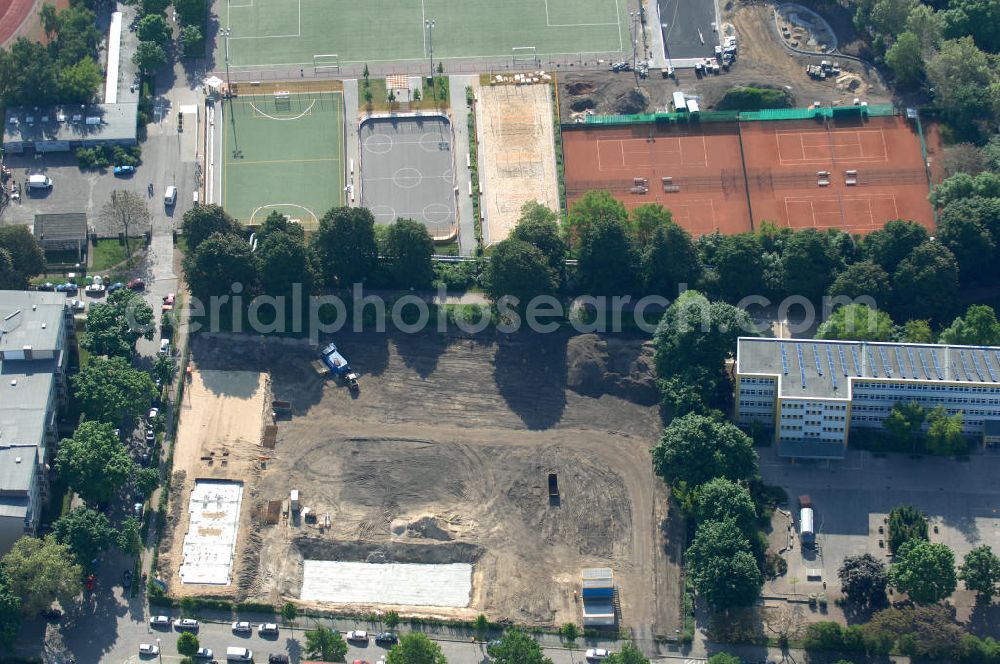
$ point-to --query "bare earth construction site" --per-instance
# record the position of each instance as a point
(442, 459)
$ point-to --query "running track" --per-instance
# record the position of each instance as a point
(12, 15)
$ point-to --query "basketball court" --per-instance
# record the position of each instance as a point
(314, 34)
(692, 170)
(853, 174)
(283, 152)
(407, 171)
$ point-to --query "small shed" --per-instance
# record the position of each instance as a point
(64, 231)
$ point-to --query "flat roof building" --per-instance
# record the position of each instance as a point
(63, 128)
(63, 231)
(34, 329)
(811, 392)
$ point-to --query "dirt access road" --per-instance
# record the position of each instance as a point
(444, 455)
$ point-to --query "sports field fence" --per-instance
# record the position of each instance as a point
(766, 115)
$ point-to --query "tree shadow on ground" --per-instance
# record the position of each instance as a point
(530, 374)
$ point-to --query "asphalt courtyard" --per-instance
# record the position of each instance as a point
(407, 171)
(688, 27)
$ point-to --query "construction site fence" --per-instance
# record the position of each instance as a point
(830, 112)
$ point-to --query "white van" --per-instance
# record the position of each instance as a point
(39, 181)
(170, 197)
(236, 654)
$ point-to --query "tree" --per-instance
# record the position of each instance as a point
(944, 433)
(966, 187)
(520, 270)
(630, 654)
(345, 246)
(187, 644)
(30, 75)
(40, 571)
(9, 279)
(917, 332)
(26, 254)
(978, 18)
(416, 648)
(153, 6)
(906, 60)
(79, 81)
(809, 263)
(863, 278)
(202, 221)
(669, 260)
(218, 264)
(888, 17)
(47, 17)
(905, 523)
(409, 249)
(961, 76)
(925, 571)
(823, 636)
(722, 567)
(892, 243)
(192, 13)
(593, 206)
(147, 480)
(904, 423)
(539, 227)
(721, 500)
(569, 631)
(739, 265)
(695, 449)
(979, 327)
(114, 326)
(392, 619)
(606, 258)
(130, 536)
(283, 261)
(517, 647)
(724, 658)
(289, 612)
(86, 532)
(154, 28)
(927, 25)
(325, 644)
(10, 612)
(981, 572)
(645, 219)
(111, 390)
(191, 41)
(126, 212)
(926, 282)
(95, 462)
(863, 579)
(164, 368)
(919, 632)
(149, 56)
(857, 322)
(481, 627)
(965, 158)
(972, 244)
(992, 152)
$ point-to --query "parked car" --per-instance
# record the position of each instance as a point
(68, 287)
(277, 658)
(153, 412)
(388, 638)
(267, 628)
(164, 346)
(124, 169)
(39, 181)
(242, 627)
(127, 579)
(150, 435)
(357, 635)
(168, 299)
(204, 653)
(159, 621)
(47, 286)
(186, 623)
(596, 654)
(136, 284)
(94, 289)
(77, 306)
(117, 286)
(148, 649)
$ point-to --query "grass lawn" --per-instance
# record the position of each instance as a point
(427, 102)
(108, 253)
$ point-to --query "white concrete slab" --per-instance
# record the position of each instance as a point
(210, 542)
(389, 583)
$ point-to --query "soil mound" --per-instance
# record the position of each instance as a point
(580, 88)
(633, 101)
(622, 367)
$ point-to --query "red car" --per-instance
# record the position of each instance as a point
(136, 284)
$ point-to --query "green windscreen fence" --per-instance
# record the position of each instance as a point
(770, 114)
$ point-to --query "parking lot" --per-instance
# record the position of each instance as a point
(852, 498)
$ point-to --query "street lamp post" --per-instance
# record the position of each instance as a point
(229, 86)
(635, 46)
(430, 23)
(159, 650)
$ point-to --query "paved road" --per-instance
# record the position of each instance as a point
(459, 115)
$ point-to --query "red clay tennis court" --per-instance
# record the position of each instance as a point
(854, 174)
(694, 171)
